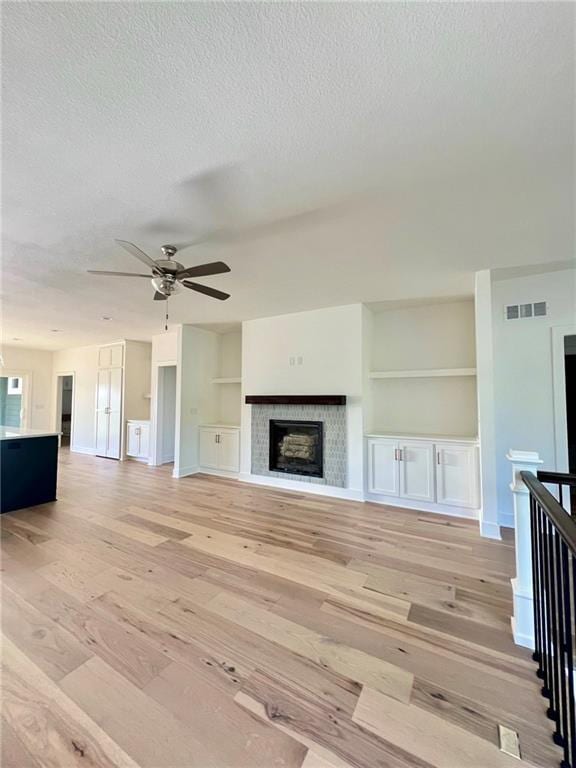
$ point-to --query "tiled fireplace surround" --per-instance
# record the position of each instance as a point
(335, 440)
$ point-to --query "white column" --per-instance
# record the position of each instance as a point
(523, 619)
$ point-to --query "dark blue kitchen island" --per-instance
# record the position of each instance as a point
(28, 467)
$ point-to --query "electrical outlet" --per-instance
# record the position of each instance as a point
(300, 359)
(292, 361)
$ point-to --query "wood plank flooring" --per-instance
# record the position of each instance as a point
(208, 623)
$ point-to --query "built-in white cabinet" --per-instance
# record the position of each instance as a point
(383, 473)
(109, 412)
(423, 470)
(219, 448)
(457, 475)
(111, 356)
(416, 465)
(138, 439)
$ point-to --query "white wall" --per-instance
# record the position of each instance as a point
(168, 406)
(195, 394)
(328, 342)
(38, 365)
(434, 335)
(523, 372)
(83, 362)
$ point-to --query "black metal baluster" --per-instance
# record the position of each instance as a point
(560, 737)
(570, 733)
(537, 655)
(545, 608)
(553, 709)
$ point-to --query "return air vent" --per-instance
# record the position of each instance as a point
(523, 311)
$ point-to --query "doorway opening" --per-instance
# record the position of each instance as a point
(11, 401)
(166, 414)
(65, 408)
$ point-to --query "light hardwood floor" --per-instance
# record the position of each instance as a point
(207, 623)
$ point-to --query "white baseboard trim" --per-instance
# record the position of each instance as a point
(526, 641)
(439, 509)
(217, 472)
(294, 485)
(490, 530)
(81, 449)
(185, 471)
(523, 620)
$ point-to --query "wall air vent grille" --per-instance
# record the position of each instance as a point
(512, 312)
(523, 311)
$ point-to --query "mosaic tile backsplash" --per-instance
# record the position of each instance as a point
(335, 440)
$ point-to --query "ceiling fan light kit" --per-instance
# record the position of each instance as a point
(168, 276)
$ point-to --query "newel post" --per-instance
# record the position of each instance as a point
(523, 618)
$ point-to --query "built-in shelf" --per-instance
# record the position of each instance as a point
(232, 380)
(411, 435)
(423, 374)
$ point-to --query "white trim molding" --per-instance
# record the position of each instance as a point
(294, 485)
(185, 472)
(523, 619)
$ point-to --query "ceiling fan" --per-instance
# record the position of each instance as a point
(168, 275)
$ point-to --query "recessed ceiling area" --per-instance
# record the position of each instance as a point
(366, 152)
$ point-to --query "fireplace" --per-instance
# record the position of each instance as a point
(297, 447)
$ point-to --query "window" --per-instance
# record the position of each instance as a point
(14, 385)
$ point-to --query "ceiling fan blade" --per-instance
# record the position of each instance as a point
(117, 274)
(212, 292)
(203, 270)
(160, 296)
(135, 251)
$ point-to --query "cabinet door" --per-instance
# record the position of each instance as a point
(209, 452)
(116, 355)
(417, 471)
(229, 447)
(457, 475)
(132, 440)
(102, 404)
(115, 413)
(144, 441)
(104, 357)
(383, 467)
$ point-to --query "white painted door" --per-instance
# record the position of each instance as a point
(102, 405)
(133, 440)
(457, 475)
(115, 414)
(144, 441)
(417, 470)
(209, 453)
(383, 467)
(229, 448)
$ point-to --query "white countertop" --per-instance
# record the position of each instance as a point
(17, 433)
(138, 421)
(219, 426)
(419, 436)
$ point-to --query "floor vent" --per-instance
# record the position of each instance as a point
(509, 742)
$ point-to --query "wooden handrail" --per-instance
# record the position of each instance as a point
(560, 478)
(558, 516)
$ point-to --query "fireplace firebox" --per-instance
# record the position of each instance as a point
(297, 447)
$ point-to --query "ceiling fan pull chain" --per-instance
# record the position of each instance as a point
(166, 323)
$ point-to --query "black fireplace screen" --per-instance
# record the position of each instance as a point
(296, 447)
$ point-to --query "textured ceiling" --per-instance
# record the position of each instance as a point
(432, 140)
